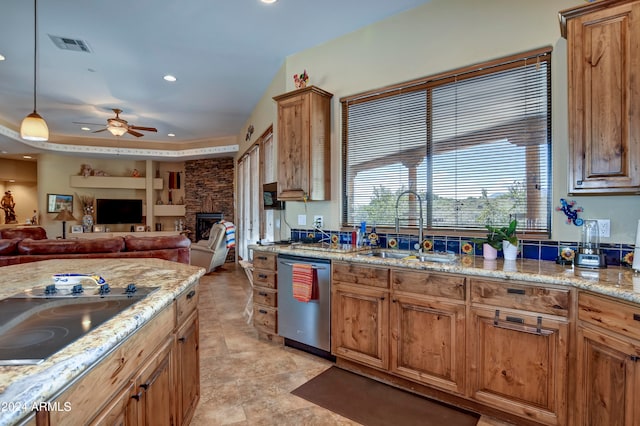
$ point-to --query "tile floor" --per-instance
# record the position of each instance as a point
(246, 381)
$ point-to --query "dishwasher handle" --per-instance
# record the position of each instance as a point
(312, 267)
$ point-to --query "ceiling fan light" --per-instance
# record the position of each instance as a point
(34, 128)
(117, 131)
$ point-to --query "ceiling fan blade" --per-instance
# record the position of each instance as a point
(134, 133)
(147, 129)
(101, 130)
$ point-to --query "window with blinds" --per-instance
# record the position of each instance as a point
(470, 148)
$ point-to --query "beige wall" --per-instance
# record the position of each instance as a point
(439, 36)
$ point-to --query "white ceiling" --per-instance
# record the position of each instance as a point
(224, 53)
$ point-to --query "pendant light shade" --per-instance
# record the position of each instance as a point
(33, 127)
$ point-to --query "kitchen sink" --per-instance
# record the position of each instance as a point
(387, 254)
(404, 254)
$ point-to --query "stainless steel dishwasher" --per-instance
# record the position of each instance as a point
(305, 326)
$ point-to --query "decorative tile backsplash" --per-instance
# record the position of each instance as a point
(616, 254)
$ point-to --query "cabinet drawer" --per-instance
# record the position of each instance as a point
(611, 315)
(263, 260)
(520, 296)
(428, 284)
(359, 274)
(265, 318)
(186, 303)
(265, 278)
(265, 296)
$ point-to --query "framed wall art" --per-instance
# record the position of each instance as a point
(58, 202)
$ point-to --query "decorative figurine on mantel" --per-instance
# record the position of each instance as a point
(301, 81)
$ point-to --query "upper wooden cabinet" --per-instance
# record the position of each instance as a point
(304, 144)
(603, 45)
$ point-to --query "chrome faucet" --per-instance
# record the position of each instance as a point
(420, 235)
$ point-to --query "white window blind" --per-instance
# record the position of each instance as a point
(474, 145)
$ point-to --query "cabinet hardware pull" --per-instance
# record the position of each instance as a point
(382, 298)
(137, 396)
(496, 318)
(521, 328)
(262, 293)
(262, 311)
(515, 291)
(578, 182)
(515, 319)
(145, 386)
(191, 294)
(262, 257)
(636, 317)
(634, 358)
(182, 339)
(262, 276)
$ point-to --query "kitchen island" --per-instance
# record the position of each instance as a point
(530, 342)
(114, 357)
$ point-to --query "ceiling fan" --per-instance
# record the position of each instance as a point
(118, 126)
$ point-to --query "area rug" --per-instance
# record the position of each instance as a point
(372, 403)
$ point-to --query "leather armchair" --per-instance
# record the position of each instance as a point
(210, 253)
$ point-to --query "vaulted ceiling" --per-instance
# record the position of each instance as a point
(224, 54)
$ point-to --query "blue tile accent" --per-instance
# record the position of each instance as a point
(530, 249)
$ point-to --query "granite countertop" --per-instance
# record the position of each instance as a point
(615, 281)
(22, 387)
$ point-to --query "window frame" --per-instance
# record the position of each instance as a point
(426, 84)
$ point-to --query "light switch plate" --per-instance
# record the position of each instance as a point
(302, 219)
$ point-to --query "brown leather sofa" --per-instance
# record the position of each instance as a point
(24, 245)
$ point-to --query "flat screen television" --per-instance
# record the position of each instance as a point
(112, 211)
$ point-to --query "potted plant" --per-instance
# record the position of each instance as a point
(509, 239)
(490, 244)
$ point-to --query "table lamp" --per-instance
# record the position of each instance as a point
(64, 215)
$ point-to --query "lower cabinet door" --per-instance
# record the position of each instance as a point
(360, 321)
(518, 363)
(188, 369)
(120, 412)
(427, 342)
(608, 380)
(155, 385)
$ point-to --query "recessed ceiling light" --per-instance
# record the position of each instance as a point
(86, 129)
(26, 157)
(268, 1)
(2, 58)
(170, 78)
(171, 134)
(12, 180)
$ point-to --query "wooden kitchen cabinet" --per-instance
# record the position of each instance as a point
(428, 328)
(155, 396)
(518, 358)
(304, 144)
(603, 46)
(119, 412)
(360, 314)
(608, 373)
(188, 369)
(265, 294)
(153, 377)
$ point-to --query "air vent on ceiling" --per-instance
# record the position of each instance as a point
(67, 43)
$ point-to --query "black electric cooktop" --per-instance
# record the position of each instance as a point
(38, 323)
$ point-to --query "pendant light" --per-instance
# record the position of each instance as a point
(33, 127)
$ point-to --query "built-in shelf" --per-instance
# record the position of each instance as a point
(169, 210)
(112, 182)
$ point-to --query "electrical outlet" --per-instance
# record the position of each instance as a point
(302, 219)
(604, 227)
(318, 221)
